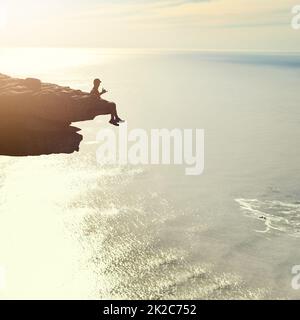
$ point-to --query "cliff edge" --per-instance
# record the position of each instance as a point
(36, 117)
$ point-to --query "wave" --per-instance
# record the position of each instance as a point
(275, 215)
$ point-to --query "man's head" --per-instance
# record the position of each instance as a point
(97, 83)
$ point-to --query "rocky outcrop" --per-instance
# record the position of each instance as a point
(36, 117)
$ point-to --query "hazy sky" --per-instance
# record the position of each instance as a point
(185, 24)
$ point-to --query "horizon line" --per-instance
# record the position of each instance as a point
(154, 49)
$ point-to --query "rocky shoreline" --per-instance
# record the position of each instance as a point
(36, 117)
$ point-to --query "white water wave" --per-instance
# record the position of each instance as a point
(275, 215)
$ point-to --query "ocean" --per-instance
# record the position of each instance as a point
(71, 228)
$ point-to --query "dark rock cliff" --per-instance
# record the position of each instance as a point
(36, 117)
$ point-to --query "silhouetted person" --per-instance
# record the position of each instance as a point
(95, 90)
(114, 115)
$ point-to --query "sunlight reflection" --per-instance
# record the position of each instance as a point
(37, 61)
(40, 256)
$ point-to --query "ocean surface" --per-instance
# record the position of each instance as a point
(73, 228)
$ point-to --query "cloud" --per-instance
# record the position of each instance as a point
(148, 23)
(139, 9)
(201, 14)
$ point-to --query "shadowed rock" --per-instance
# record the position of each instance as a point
(36, 117)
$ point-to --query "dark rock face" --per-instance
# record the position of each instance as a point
(36, 117)
(20, 141)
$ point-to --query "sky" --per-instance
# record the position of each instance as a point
(174, 24)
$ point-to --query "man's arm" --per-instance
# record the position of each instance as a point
(102, 92)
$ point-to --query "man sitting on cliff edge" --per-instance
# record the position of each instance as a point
(115, 120)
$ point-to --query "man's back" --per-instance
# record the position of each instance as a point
(95, 92)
